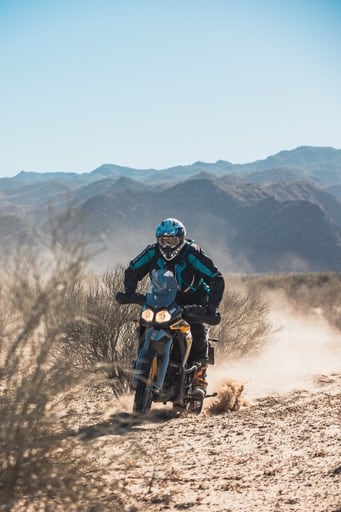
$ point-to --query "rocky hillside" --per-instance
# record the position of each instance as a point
(278, 214)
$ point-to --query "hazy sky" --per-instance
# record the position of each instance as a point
(148, 83)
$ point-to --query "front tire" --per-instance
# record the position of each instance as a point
(143, 393)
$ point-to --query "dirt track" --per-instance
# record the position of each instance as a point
(277, 453)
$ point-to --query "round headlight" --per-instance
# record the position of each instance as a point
(163, 316)
(147, 315)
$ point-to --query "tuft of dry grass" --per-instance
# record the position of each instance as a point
(229, 398)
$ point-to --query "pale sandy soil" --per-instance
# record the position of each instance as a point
(280, 451)
(277, 453)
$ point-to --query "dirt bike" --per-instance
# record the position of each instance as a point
(162, 372)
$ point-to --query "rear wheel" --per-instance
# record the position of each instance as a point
(143, 393)
(194, 406)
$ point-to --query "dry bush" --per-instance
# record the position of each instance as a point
(104, 334)
(36, 471)
(311, 293)
(244, 328)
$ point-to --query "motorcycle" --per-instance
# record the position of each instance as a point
(162, 372)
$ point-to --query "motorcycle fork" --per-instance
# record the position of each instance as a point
(163, 360)
(141, 357)
(153, 372)
(187, 344)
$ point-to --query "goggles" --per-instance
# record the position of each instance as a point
(169, 241)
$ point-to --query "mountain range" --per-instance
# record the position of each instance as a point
(282, 213)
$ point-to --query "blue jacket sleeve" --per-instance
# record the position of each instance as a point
(203, 266)
(138, 268)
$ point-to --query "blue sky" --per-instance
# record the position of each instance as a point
(160, 83)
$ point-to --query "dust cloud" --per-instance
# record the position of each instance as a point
(300, 349)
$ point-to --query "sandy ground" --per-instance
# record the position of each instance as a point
(276, 453)
(278, 450)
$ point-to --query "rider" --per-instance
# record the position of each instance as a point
(198, 279)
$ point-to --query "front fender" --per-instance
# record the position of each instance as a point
(161, 341)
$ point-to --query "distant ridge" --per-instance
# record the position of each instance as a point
(282, 213)
(310, 158)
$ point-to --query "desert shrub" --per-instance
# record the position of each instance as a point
(244, 328)
(104, 334)
(311, 293)
(37, 471)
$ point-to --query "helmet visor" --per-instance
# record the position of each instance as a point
(169, 241)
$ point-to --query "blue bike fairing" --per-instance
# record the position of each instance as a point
(162, 290)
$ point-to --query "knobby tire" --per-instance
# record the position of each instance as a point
(143, 392)
(195, 406)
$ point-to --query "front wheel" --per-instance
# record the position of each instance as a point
(143, 393)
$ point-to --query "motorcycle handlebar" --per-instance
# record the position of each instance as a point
(196, 313)
(192, 313)
(134, 298)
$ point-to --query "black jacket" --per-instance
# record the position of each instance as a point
(198, 279)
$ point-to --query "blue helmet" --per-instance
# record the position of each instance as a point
(170, 236)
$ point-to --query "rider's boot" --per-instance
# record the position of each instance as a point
(199, 386)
